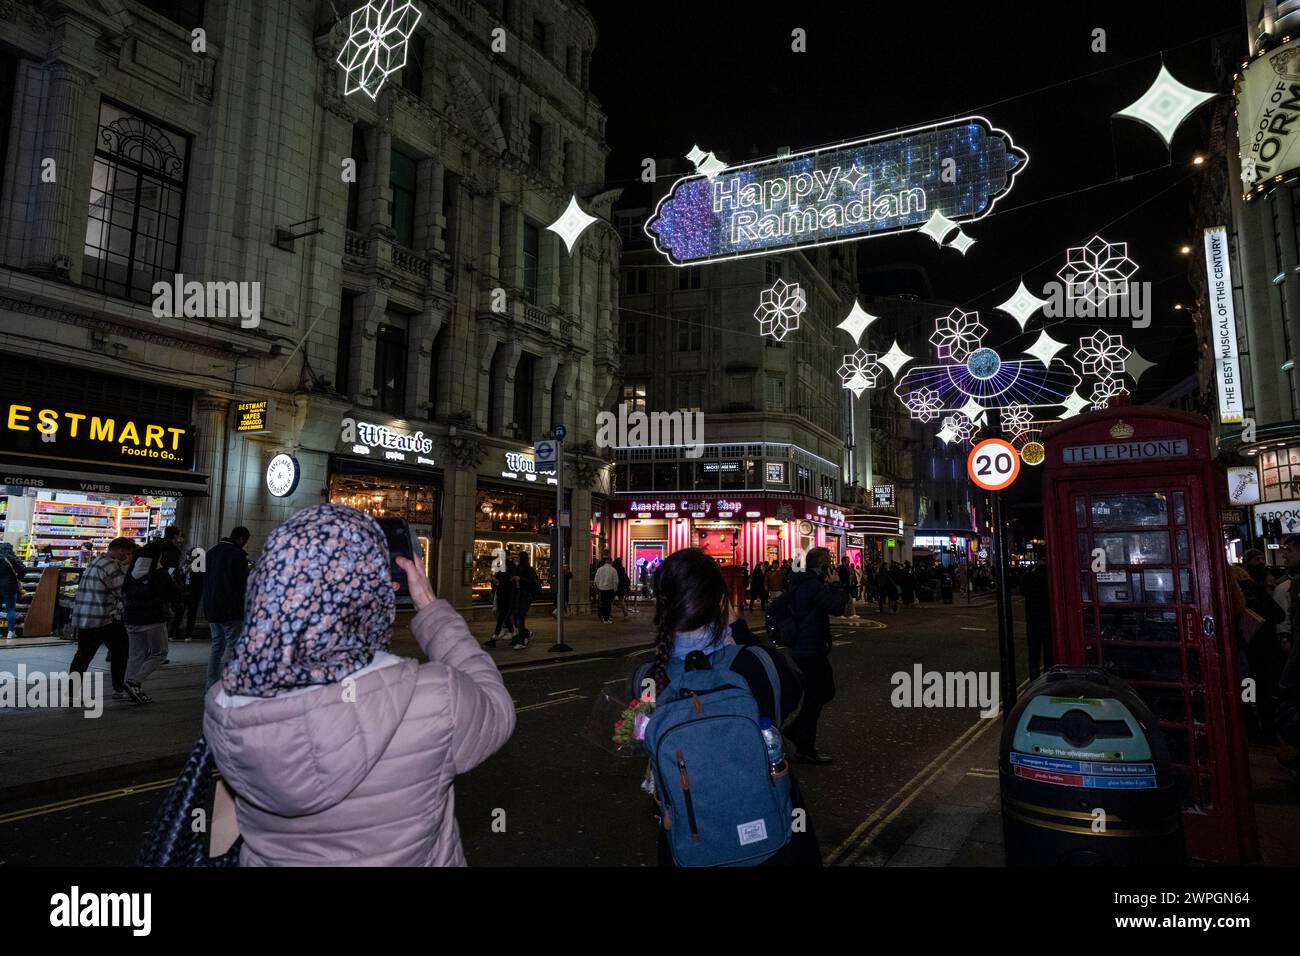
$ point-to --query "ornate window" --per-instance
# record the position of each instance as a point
(137, 201)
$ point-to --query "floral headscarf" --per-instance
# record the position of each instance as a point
(319, 604)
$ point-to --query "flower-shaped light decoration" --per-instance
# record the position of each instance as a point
(1097, 270)
(1016, 419)
(1105, 390)
(779, 309)
(923, 404)
(376, 46)
(1102, 354)
(957, 334)
(859, 372)
(959, 428)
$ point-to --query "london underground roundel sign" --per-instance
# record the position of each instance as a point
(993, 464)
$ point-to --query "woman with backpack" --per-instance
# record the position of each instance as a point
(699, 631)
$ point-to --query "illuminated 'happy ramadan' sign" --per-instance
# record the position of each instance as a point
(870, 187)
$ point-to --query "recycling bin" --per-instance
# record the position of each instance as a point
(1086, 776)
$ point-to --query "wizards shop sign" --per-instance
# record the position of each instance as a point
(869, 187)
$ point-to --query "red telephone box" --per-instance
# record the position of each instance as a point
(1139, 587)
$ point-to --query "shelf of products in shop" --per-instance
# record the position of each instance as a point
(62, 527)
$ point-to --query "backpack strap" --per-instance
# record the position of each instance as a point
(773, 678)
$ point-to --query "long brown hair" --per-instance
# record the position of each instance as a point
(689, 591)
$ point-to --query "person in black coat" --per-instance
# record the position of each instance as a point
(815, 595)
(526, 588)
(225, 579)
(690, 598)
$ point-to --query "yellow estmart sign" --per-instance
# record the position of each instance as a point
(38, 428)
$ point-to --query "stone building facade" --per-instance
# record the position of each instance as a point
(408, 284)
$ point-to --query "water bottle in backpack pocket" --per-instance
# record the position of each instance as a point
(722, 802)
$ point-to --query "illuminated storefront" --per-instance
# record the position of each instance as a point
(743, 529)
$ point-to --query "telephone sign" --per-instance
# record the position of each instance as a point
(993, 464)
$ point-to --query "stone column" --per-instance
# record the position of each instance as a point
(370, 308)
(484, 354)
(459, 489)
(211, 417)
(423, 329)
(503, 385)
(49, 234)
(545, 368)
(376, 195)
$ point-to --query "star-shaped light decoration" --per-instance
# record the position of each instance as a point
(950, 432)
(1074, 405)
(705, 163)
(1136, 366)
(573, 222)
(779, 309)
(1102, 354)
(961, 242)
(1015, 419)
(1105, 390)
(923, 404)
(938, 226)
(957, 334)
(1097, 270)
(895, 359)
(857, 321)
(1045, 348)
(1022, 305)
(376, 45)
(859, 372)
(974, 411)
(1165, 105)
(853, 177)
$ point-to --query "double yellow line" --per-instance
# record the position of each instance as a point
(860, 840)
(86, 801)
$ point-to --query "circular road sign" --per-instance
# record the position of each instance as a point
(993, 464)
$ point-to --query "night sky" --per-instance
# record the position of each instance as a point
(670, 75)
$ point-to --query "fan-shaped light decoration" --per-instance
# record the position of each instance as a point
(1097, 270)
(859, 372)
(573, 222)
(779, 309)
(376, 45)
(1102, 354)
(895, 359)
(1165, 105)
(1022, 305)
(957, 334)
(1045, 348)
(857, 321)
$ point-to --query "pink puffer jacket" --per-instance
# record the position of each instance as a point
(361, 772)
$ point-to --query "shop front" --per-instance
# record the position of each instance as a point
(514, 513)
(387, 469)
(733, 530)
(71, 480)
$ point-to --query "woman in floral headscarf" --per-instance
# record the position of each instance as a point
(337, 751)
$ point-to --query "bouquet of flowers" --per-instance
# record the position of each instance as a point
(630, 727)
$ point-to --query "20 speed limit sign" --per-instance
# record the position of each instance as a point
(993, 464)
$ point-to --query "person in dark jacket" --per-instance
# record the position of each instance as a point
(504, 594)
(148, 594)
(1038, 619)
(758, 586)
(692, 613)
(886, 590)
(12, 572)
(223, 597)
(815, 594)
(1263, 650)
(526, 589)
(174, 561)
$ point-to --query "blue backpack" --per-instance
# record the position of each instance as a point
(722, 804)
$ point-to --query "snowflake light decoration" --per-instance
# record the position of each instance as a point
(859, 372)
(1015, 419)
(923, 404)
(1097, 270)
(779, 309)
(1105, 390)
(376, 45)
(959, 427)
(957, 335)
(1102, 354)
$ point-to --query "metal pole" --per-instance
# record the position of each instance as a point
(1006, 629)
(557, 556)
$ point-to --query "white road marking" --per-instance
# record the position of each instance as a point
(549, 703)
